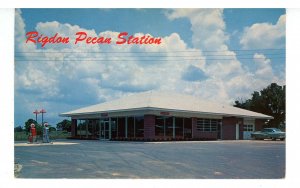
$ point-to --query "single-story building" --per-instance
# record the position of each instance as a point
(163, 116)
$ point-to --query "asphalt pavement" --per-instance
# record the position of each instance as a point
(144, 160)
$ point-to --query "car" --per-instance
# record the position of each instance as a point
(268, 133)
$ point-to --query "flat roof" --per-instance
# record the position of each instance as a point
(163, 101)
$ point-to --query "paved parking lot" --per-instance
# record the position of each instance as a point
(192, 160)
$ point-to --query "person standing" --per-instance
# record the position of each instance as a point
(46, 133)
(32, 133)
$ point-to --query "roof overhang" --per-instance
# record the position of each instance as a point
(159, 111)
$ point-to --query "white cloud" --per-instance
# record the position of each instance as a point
(228, 79)
(264, 68)
(20, 44)
(84, 82)
(207, 27)
(209, 34)
(264, 35)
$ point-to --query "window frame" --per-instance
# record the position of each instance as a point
(208, 125)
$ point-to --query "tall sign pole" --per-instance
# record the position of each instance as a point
(36, 112)
(42, 112)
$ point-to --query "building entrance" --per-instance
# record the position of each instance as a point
(104, 130)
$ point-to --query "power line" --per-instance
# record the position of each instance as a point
(209, 55)
(145, 55)
(176, 51)
(124, 60)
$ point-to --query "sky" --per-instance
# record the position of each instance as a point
(215, 54)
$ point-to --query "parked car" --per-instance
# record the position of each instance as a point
(268, 133)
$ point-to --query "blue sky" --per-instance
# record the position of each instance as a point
(196, 45)
(130, 20)
(126, 20)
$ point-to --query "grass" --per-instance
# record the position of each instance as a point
(23, 136)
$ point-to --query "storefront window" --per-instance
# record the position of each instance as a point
(159, 126)
(92, 128)
(121, 127)
(139, 126)
(208, 125)
(114, 127)
(81, 128)
(187, 128)
(163, 126)
(169, 127)
(179, 127)
(130, 127)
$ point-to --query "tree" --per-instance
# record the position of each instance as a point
(269, 101)
(28, 123)
(64, 125)
(37, 126)
(51, 129)
(18, 129)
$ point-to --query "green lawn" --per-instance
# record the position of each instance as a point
(20, 136)
(23, 136)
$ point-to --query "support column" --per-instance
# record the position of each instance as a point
(80, 128)
(104, 130)
(194, 125)
(93, 129)
(74, 127)
(164, 127)
(126, 126)
(173, 127)
(109, 131)
(221, 130)
(134, 126)
(117, 127)
(183, 128)
(149, 126)
(237, 131)
(100, 128)
(86, 128)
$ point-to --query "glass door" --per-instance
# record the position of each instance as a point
(104, 130)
